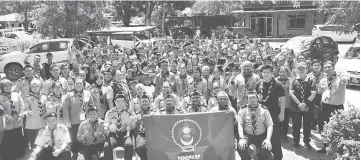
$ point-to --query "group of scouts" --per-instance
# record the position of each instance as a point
(97, 101)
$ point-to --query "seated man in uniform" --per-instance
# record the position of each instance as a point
(170, 106)
(91, 134)
(255, 126)
(52, 141)
(196, 105)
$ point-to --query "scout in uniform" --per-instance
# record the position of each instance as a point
(170, 107)
(182, 81)
(52, 141)
(54, 102)
(137, 125)
(163, 76)
(232, 91)
(23, 84)
(196, 105)
(271, 93)
(117, 129)
(187, 99)
(34, 110)
(135, 103)
(302, 92)
(98, 96)
(333, 89)
(159, 100)
(13, 141)
(255, 126)
(212, 102)
(107, 90)
(91, 134)
(75, 106)
(55, 76)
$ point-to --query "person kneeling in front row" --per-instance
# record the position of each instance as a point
(52, 141)
(255, 126)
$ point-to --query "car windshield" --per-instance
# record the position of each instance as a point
(299, 43)
(353, 53)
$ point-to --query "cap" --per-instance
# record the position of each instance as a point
(51, 114)
(302, 64)
(145, 96)
(194, 93)
(92, 108)
(168, 96)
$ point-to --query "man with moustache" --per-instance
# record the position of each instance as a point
(271, 93)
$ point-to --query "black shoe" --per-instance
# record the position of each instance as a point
(323, 150)
(308, 146)
(296, 144)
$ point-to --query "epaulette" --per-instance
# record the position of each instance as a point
(178, 109)
(263, 106)
(163, 109)
(139, 112)
(245, 106)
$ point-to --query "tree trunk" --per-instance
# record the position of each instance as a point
(54, 31)
(148, 13)
(163, 18)
(26, 23)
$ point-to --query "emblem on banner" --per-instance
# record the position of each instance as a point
(186, 133)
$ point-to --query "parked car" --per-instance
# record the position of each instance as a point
(18, 35)
(330, 31)
(349, 65)
(12, 63)
(321, 47)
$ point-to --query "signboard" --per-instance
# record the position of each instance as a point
(198, 136)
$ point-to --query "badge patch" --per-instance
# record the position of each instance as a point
(186, 134)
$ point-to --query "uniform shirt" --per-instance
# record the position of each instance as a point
(111, 118)
(286, 84)
(318, 78)
(39, 71)
(108, 94)
(277, 91)
(212, 102)
(199, 108)
(72, 106)
(54, 104)
(159, 101)
(136, 122)
(226, 109)
(176, 110)
(185, 101)
(23, 86)
(308, 85)
(48, 83)
(181, 84)
(61, 136)
(10, 121)
(93, 132)
(240, 84)
(334, 95)
(159, 79)
(34, 121)
(263, 119)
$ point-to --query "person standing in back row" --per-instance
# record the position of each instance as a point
(46, 65)
(333, 88)
(271, 93)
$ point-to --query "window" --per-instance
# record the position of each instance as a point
(40, 48)
(19, 24)
(296, 21)
(59, 46)
(328, 28)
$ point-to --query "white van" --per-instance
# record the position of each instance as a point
(330, 31)
(12, 63)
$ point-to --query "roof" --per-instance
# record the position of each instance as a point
(123, 29)
(274, 10)
(9, 17)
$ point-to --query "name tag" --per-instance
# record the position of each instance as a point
(82, 116)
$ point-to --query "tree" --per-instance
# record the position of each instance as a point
(125, 10)
(147, 8)
(69, 18)
(345, 14)
(216, 7)
(23, 8)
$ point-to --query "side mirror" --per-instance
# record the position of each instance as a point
(27, 51)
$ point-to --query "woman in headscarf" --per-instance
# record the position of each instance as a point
(135, 103)
(53, 102)
(12, 145)
(75, 106)
(34, 112)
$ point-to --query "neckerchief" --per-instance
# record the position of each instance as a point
(12, 106)
(169, 110)
(174, 71)
(197, 80)
(183, 76)
(317, 76)
(145, 112)
(290, 64)
(283, 80)
(54, 79)
(106, 83)
(94, 129)
(254, 118)
(61, 112)
(184, 81)
(100, 90)
(66, 77)
(196, 107)
(52, 136)
(266, 98)
(29, 79)
(164, 75)
(40, 106)
(330, 80)
(246, 77)
(302, 82)
(80, 96)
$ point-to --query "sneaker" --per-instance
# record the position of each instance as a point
(308, 146)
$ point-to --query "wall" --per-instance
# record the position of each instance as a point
(6, 25)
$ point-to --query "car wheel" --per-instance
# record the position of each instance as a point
(14, 71)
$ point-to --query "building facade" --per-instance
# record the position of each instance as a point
(280, 19)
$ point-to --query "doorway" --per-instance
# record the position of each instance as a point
(262, 24)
